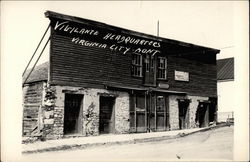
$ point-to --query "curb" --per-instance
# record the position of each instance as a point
(91, 145)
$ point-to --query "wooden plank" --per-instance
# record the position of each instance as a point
(145, 94)
(134, 96)
(155, 112)
(165, 107)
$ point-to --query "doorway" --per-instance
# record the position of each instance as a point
(73, 114)
(202, 114)
(107, 115)
(183, 114)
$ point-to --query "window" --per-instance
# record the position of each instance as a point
(140, 101)
(147, 63)
(160, 103)
(137, 65)
(162, 68)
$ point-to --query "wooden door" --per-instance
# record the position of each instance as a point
(138, 112)
(158, 117)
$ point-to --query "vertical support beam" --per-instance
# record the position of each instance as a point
(165, 108)
(145, 102)
(208, 113)
(155, 112)
(167, 112)
(216, 113)
(187, 117)
(158, 26)
(149, 111)
(134, 96)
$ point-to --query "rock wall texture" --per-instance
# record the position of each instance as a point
(174, 110)
(53, 117)
(193, 105)
(122, 113)
(44, 110)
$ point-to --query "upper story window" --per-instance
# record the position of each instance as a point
(147, 63)
(137, 65)
(162, 68)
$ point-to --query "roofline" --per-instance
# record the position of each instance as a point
(225, 80)
(32, 82)
(225, 58)
(51, 14)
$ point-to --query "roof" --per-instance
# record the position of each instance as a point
(225, 69)
(40, 73)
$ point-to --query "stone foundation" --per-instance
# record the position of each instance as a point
(53, 111)
(193, 108)
(174, 110)
(50, 120)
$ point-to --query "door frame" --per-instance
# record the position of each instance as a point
(150, 112)
(113, 99)
(80, 114)
(186, 116)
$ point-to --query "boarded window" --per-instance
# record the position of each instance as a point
(162, 68)
(137, 65)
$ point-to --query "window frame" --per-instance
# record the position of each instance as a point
(136, 65)
(159, 68)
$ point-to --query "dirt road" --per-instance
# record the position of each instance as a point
(216, 144)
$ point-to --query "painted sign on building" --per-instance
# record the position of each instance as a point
(97, 36)
(181, 76)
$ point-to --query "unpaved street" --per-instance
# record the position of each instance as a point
(214, 145)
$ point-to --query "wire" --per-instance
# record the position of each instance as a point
(36, 49)
(36, 61)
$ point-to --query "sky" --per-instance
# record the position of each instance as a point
(217, 24)
(204, 23)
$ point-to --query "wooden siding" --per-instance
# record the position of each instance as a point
(73, 64)
(202, 76)
(32, 96)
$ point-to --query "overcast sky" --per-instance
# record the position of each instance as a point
(204, 23)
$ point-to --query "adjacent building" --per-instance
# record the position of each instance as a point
(105, 79)
(226, 89)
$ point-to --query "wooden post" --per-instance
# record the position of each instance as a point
(145, 111)
(155, 112)
(134, 96)
(165, 108)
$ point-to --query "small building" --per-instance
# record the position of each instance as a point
(105, 79)
(226, 89)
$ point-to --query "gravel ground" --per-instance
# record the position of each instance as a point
(215, 144)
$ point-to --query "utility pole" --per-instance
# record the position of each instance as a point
(158, 28)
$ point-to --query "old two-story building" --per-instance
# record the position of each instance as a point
(105, 79)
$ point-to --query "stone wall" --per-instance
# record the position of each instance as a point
(173, 112)
(122, 113)
(54, 118)
(48, 111)
(193, 108)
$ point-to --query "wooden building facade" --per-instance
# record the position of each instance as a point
(105, 79)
